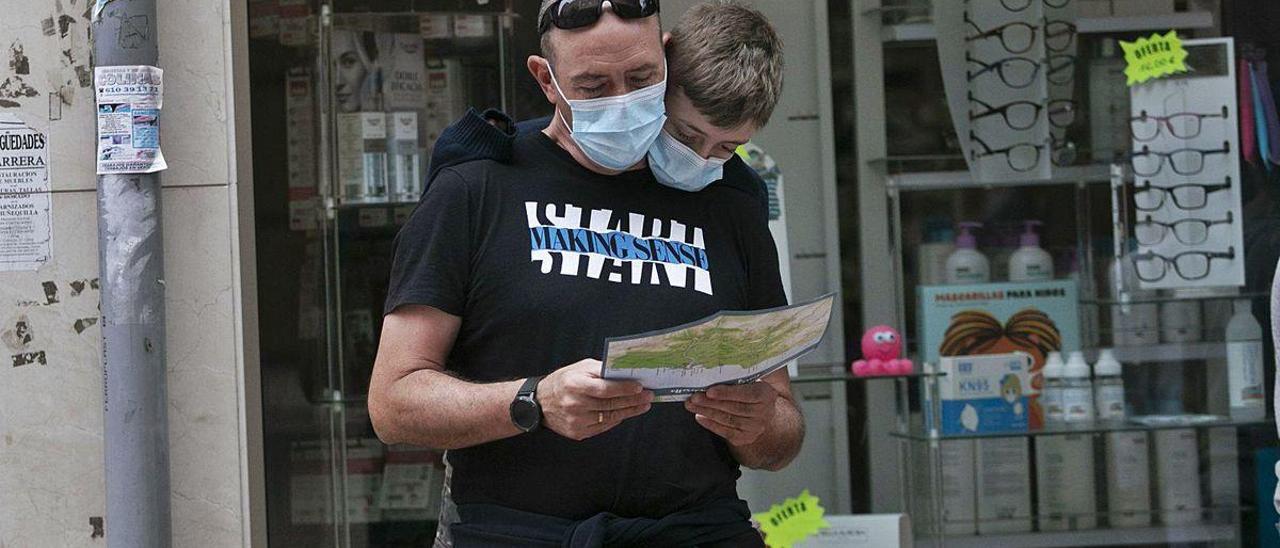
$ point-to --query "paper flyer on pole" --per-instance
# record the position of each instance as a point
(26, 223)
(129, 101)
(725, 348)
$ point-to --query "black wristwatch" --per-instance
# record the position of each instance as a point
(526, 414)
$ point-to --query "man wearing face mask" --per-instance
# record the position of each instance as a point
(509, 277)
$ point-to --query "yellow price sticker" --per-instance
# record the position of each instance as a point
(1158, 56)
(792, 521)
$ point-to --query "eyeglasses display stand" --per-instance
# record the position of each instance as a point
(1009, 71)
(1186, 172)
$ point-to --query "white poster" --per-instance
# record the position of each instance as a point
(129, 101)
(26, 224)
(404, 71)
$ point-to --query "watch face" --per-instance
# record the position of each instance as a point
(525, 413)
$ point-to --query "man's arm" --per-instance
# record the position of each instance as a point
(760, 420)
(413, 400)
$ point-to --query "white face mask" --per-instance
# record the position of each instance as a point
(617, 132)
(678, 166)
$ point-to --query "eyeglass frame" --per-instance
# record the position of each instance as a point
(998, 32)
(1163, 123)
(1209, 256)
(1172, 228)
(1006, 152)
(1168, 156)
(1003, 111)
(1048, 3)
(1072, 31)
(1166, 191)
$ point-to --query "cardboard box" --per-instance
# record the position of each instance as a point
(998, 318)
(985, 394)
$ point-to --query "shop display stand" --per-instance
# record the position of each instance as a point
(896, 187)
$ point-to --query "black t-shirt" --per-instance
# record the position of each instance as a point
(543, 259)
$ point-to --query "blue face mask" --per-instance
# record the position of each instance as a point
(617, 132)
(678, 166)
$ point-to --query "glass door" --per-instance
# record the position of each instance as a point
(349, 97)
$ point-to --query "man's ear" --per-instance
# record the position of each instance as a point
(666, 39)
(538, 67)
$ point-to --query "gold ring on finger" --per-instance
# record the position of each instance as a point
(600, 417)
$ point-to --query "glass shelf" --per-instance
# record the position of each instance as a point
(1094, 428)
(907, 180)
(1172, 352)
(1253, 295)
(1136, 536)
(852, 378)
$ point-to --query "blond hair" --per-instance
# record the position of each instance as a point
(727, 58)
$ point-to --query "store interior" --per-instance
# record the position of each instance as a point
(985, 157)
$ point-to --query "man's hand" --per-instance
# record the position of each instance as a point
(578, 404)
(739, 413)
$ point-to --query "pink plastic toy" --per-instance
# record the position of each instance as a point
(882, 354)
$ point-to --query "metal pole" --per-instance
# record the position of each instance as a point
(131, 259)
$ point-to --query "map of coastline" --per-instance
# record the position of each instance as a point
(724, 348)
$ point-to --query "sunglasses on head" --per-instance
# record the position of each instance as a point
(575, 14)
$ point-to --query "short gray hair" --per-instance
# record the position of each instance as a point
(727, 58)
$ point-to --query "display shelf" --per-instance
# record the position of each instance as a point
(962, 180)
(815, 377)
(362, 205)
(1254, 295)
(1172, 534)
(1094, 428)
(1172, 352)
(924, 31)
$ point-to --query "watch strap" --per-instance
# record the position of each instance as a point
(530, 386)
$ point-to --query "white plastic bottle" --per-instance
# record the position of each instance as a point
(1180, 321)
(1128, 457)
(967, 265)
(1077, 391)
(1108, 388)
(1177, 455)
(939, 243)
(1030, 262)
(1245, 377)
(1051, 397)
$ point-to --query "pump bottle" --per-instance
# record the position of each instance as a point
(967, 265)
(1030, 262)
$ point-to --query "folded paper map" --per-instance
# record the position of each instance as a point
(726, 348)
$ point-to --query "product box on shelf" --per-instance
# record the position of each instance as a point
(984, 394)
(362, 156)
(997, 318)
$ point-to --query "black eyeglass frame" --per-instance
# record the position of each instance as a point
(1003, 111)
(998, 67)
(1167, 192)
(586, 16)
(1209, 256)
(1164, 123)
(1056, 4)
(1070, 32)
(1173, 228)
(999, 33)
(1007, 152)
(1167, 157)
